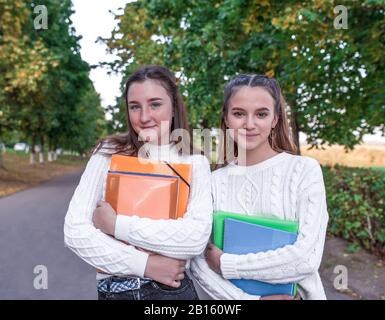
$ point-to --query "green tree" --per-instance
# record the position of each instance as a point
(68, 83)
(45, 90)
(332, 78)
(88, 123)
(24, 63)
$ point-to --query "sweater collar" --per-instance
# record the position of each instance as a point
(263, 164)
(158, 152)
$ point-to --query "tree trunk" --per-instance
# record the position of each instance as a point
(32, 157)
(205, 124)
(51, 152)
(54, 151)
(1, 161)
(295, 130)
(2, 151)
(41, 157)
(41, 153)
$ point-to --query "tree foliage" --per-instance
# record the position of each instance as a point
(45, 90)
(332, 78)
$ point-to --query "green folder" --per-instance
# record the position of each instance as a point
(271, 222)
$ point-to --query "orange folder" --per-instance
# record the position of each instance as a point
(145, 195)
(148, 188)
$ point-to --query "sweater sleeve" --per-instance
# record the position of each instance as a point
(295, 262)
(90, 244)
(183, 238)
(215, 285)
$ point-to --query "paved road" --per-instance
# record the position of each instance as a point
(31, 234)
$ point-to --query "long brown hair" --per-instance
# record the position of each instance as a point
(128, 143)
(280, 138)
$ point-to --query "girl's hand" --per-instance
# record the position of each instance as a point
(165, 270)
(213, 257)
(150, 253)
(104, 218)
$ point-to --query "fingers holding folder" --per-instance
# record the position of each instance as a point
(104, 218)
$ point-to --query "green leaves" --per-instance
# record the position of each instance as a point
(356, 207)
(333, 79)
(308, 14)
(44, 83)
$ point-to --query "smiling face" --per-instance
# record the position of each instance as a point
(251, 115)
(148, 105)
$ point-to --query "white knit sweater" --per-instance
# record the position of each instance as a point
(183, 238)
(284, 186)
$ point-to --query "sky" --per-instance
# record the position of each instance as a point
(92, 19)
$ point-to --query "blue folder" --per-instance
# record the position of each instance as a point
(242, 238)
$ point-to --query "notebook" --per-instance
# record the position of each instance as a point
(272, 222)
(242, 237)
(148, 188)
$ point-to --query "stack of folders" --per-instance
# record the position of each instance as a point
(243, 234)
(148, 188)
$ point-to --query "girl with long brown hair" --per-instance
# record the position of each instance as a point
(153, 260)
(269, 180)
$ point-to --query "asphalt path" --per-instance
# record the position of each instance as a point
(34, 263)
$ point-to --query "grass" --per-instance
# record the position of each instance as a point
(19, 174)
(379, 168)
(20, 154)
(72, 160)
(366, 156)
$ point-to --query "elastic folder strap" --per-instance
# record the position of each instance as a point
(177, 173)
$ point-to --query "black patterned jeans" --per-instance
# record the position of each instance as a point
(151, 290)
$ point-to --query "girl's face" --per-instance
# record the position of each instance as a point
(251, 115)
(149, 105)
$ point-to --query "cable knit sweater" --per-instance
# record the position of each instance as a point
(183, 238)
(287, 187)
